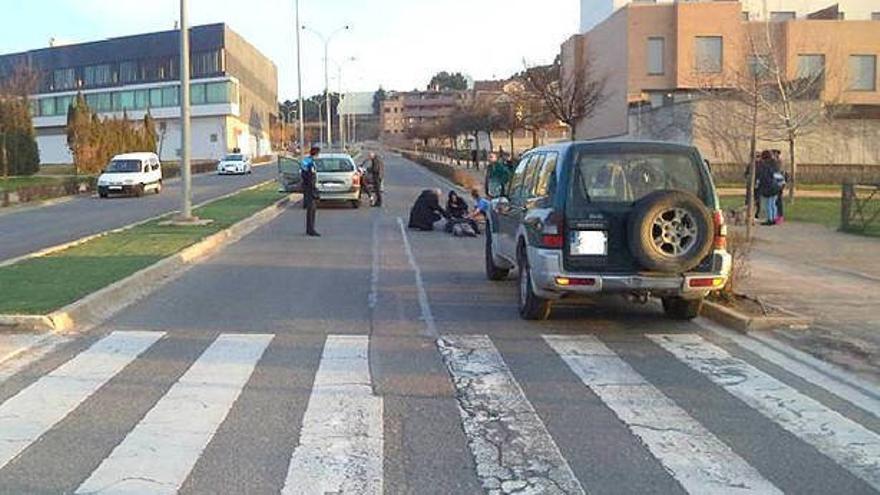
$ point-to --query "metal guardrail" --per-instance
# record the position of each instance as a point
(860, 207)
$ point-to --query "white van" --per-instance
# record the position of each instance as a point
(131, 174)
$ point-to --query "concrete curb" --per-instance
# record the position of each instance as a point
(103, 304)
(744, 323)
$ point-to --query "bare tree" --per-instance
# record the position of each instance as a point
(570, 98)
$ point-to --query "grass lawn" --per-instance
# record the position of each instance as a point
(42, 285)
(824, 211)
(801, 187)
(13, 183)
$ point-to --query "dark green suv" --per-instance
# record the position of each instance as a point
(582, 218)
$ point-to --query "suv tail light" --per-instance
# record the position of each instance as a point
(553, 232)
(720, 230)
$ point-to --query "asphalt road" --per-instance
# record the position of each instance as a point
(375, 360)
(32, 229)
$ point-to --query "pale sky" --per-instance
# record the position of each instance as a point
(398, 44)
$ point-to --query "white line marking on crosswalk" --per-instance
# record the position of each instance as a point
(698, 460)
(159, 453)
(512, 448)
(806, 367)
(33, 411)
(852, 446)
(341, 441)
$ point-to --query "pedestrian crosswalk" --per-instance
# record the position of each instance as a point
(344, 445)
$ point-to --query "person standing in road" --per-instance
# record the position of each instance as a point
(309, 173)
(782, 179)
(499, 175)
(376, 170)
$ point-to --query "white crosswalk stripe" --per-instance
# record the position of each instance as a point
(341, 440)
(511, 446)
(158, 454)
(849, 444)
(694, 457)
(33, 411)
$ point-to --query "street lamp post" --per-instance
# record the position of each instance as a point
(326, 40)
(185, 131)
(302, 124)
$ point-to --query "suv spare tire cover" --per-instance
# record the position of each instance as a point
(670, 231)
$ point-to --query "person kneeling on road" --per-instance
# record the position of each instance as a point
(426, 211)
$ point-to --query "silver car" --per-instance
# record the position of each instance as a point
(339, 178)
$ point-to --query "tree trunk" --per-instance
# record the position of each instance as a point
(793, 185)
(3, 156)
(512, 152)
(477, 147)
(750, 186)
(571, 132)
(534, 138)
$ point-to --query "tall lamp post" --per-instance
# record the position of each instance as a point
(342, 99)
(326, 40)
(302, 123)
(185, 131)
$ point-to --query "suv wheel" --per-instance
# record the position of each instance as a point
(670, 231)
(682, 309)
(531, 306)
(493, 271)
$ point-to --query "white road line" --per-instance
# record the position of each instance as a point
(159, 453)
(817, 373)
(374, 274)
(698, 460)
(852, 446)
(33, 411)
(427, 315)
(512, 448)
(341, 441)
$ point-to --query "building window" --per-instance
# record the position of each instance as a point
(782, 16)
(207, 64)
(875, 16)
(141, 99)
(97, 75)
(123, 100)
(156, 98)
(708, 54)
(218, 92)
(745, 16)
(128, 72)
(47, 107)
(62, 104)
(100, 102)
(197, 94)
(656, 48)
(213, 138)
(64, 79)
(811, 68)
(862, 72)
(171, 96)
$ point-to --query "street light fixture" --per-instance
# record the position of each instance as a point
(326, 40)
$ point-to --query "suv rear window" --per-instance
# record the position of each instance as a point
(629, 177)
(333, 165)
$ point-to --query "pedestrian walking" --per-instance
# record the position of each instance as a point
(376, 169)
(768, 186)
(309, 173)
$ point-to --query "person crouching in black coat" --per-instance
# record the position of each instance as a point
(426, 210)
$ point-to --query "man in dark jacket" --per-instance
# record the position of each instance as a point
(309, 174)
(768, 187)
(426, 210)
(376, 169)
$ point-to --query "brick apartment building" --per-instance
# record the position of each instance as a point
(403, 111)
(659, 58)
(234, 89)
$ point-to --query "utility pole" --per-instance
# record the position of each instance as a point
(185, 131)
(302, 124)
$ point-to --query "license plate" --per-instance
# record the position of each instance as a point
(589, 243)
(115, 188)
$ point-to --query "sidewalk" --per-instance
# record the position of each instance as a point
(827, 275)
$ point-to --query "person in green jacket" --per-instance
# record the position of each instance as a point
(499, 175)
